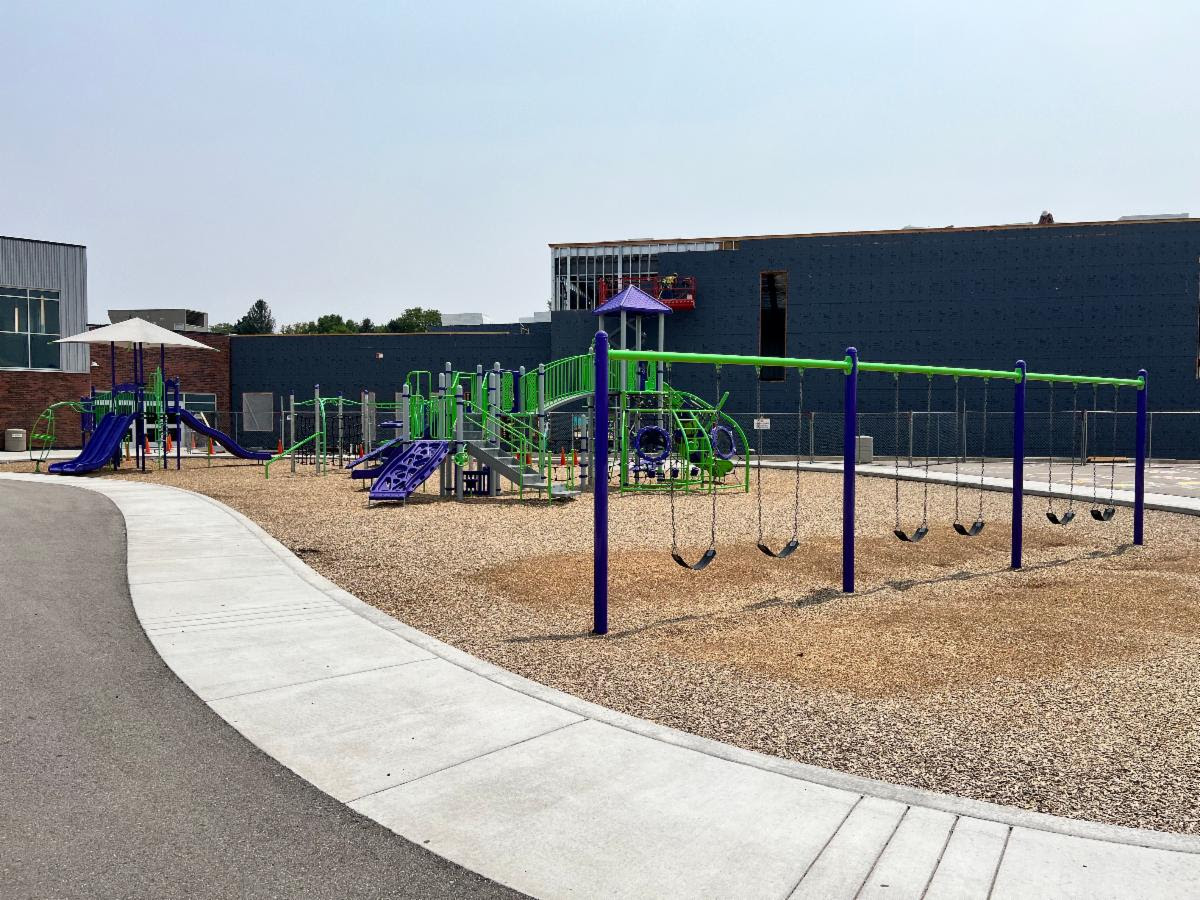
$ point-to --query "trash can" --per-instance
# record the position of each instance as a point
(14, 440)
(866, 449)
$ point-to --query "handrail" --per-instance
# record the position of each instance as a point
(289, 451)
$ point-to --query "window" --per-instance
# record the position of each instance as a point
(29, 325)
(772, 321)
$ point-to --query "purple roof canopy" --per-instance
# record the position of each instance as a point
(633, 299)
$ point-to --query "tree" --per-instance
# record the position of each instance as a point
(366, 325)
(332, 323)
(415, 319)
(222, 328)
(257, 320)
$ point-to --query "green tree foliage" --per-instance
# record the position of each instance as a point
(222, 328)
(257, 320)
(415, 319)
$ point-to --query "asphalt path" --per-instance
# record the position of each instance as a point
(117, 781)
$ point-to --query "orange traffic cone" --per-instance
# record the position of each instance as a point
(280, 450)
(574, 457)
(168, 442)
(210, 447)
(146, 442)
(562, 456)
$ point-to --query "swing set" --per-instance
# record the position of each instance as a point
(851, 368)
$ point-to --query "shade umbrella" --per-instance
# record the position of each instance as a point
(135, 333)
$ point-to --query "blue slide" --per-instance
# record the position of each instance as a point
(103, 448)
(404, 472)
(199, 426)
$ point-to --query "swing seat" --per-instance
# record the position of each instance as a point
(1103, 515)
(914, 537)
(972, 530)
(1064, 519)
(787, 550)
(699, 565)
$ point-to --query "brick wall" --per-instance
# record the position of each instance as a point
(23, 395)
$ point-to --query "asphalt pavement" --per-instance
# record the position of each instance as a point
(117, 781)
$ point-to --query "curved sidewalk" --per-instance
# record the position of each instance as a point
(547, 793)
(118, 781)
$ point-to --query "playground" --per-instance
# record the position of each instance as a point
(1003, 647)
(1059, 687)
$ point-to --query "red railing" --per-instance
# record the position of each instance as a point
(676, 291)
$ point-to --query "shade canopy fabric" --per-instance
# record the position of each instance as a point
(134, 331)
(633, 299)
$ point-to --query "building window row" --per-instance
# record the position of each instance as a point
(29, 325)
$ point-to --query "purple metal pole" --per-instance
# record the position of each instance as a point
(1139, 477)
(162, 374)
(137, 411)
(178, 427)
(1018, 470)
(112, 369)
(600, 491)
(849, 460)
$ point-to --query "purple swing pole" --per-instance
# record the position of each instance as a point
(600, 491)
(1018, 470)
(1139, 476)
(849, 459)
(162, 377)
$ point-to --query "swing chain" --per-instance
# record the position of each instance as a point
(1095, 409)
(799, 444)
(957, 447)
(1112, 460)
(758, 447)
(1074, 413)
(1050, 475)
(928, 423)
(896, 430)
(983, 448)
(712, 475)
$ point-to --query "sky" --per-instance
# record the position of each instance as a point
(365, 157)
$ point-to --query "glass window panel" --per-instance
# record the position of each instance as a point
(14, 350)
(12, 314)
(43, 352)
(12, 292)
(43, 316)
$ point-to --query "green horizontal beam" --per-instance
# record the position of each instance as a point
(843, 365)
(904, 369)
(1087, 379)
(717, 359)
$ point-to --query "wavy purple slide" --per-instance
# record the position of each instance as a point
(405, 472)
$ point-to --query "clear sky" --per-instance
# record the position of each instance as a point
(362, 157)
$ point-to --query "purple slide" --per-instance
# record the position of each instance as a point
(232, 446)
(102, 449)
(406, 471)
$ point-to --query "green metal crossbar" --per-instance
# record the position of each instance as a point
(289, 451)
(844, 365)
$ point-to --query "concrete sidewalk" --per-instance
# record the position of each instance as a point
(118, 781)
(547, 793)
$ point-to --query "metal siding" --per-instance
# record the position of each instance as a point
(60, 267)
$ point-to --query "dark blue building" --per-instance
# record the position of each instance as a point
(1088, 298)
